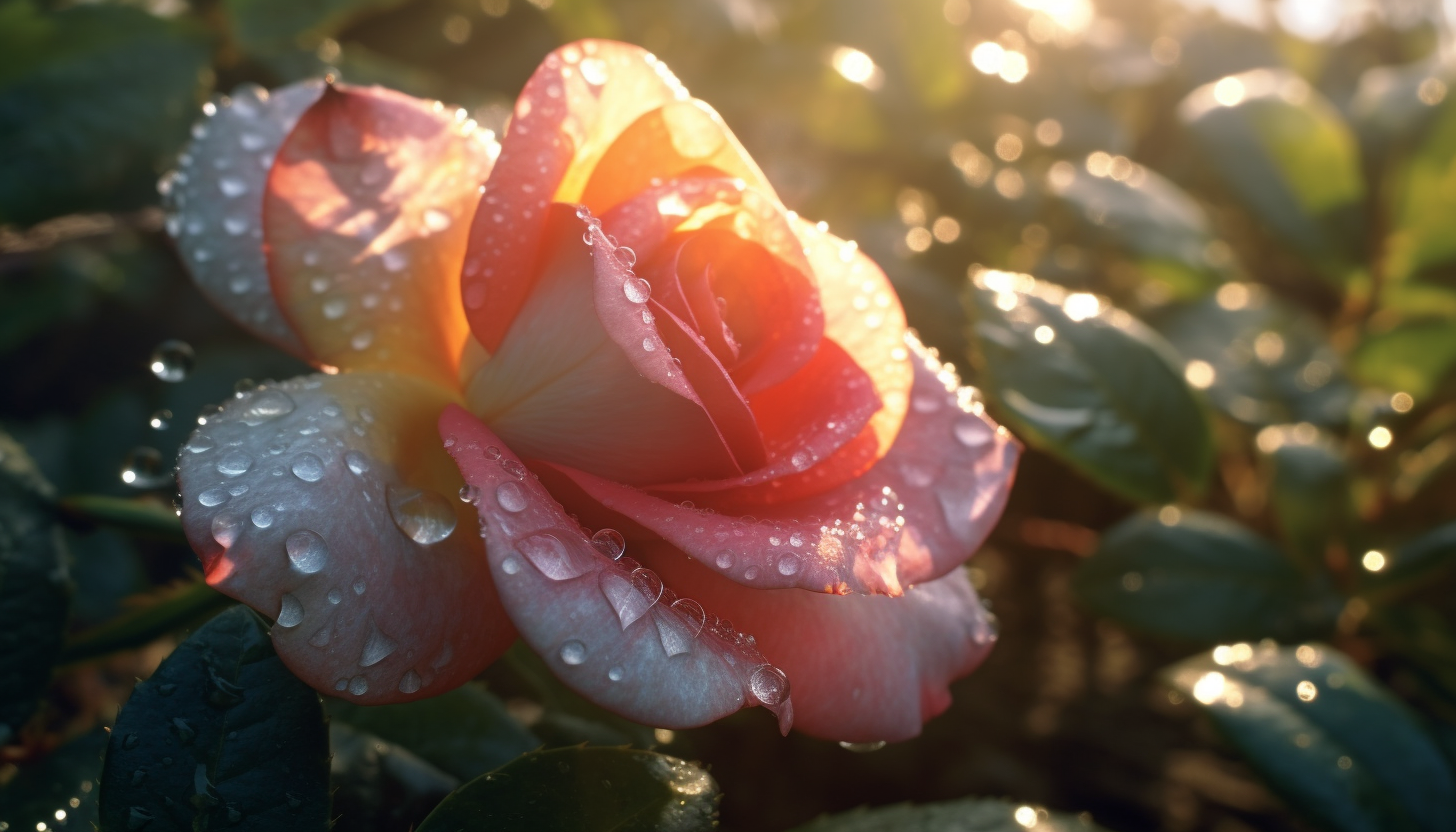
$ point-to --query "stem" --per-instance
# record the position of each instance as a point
(131, 514)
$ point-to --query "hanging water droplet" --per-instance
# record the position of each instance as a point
(143, 468)
(290, 611)
(510, 497)
(424, 516)
(172, 360)
(307, 551)
(573, 652)
(862, 747)
(410, 682)
(308, 467)
(262, 517)
(161, 420)
(225, 529)
(626, 600)
(469, 494)
(769, 684)
(266, 405)
(376, 648)
(358, 463)
(234, 463)
(199, 443)
(610, 543)
(636, 289)
(692, 612)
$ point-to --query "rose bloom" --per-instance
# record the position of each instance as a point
(701, 462)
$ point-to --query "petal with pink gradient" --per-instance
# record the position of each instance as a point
(216, 202)
(365, 219)
(918, 513)
(326, 504)
(608, 628)
(863, 668)
(584, 378)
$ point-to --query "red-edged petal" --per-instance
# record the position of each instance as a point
(584, 379)
(326, 503)
(608, 628)
(366, 220)
(576, 105)
(917, 514)
(863, 668)
(216, 204)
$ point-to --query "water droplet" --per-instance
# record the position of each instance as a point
(801, 460)
(724, 559)
(225, 529)
(510, 565)
(636, 289)
(648, 345)
(234, 463)
(377, 647)
(262, 517)
(321, 639)
(143, 468)
(692, 612)
(616, 674)
(307, 551)
(573, 652)
(436, 220)
(796, 539)
(972, 432)
(184, 731)
(628, 258)
(769, 684)
(553, 558)
(410, 682)
(594, 71)
(290, 611)
(213, 497)
(308, 467)
(610, 543)
(358, 462)
(648, 584)
(358, 686)
(789, 565)
(199, 443)
(862, 747)
(626, 599)
(130, 741)
(161, 420)
(510, 497)
(425, 517)
(514, 468)
(334, 308)
(359, 587)
(232, 187)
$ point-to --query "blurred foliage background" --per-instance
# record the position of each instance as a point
(1200, 255)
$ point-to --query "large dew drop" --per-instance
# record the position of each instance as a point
(290, 611)
(769, 684)
(308, 467)
(234, 463)
(511, 497)
(553, 558)
(637, 290)
(307, 551)
(225, 529)
(172, 360)
(424, 516)
(266, 405)
(610, 543)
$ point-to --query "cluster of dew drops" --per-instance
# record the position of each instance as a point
(144, 467)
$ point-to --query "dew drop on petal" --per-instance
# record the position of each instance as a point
(234, 463)
(692, 612)
(266, 405)
(290, 611)
(213, 497)
(308, 467)
(510, 565)
(225, 529)
(789, 565)
(377, 647)
(648, 345)
(616, 674)
(573, 652)
(551, 557)
(637, 290)
(358, 686)
(262, 517)
(973, 433)
(510, 497)
(769, 684)
(357, 462)
(610, 543)
(724, 560)
(426, 517)
(307, 551)
(410, 682)
(469, 494)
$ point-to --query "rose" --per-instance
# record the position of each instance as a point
(624, 323)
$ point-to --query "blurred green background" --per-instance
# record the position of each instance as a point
(1200, 256)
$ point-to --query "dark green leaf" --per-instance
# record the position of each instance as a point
(584, 789)
(465, 732)
(167, 611)
(379, 785)
(1286, 152)
(569, 719)
(1266, 363)
(1201, 577)
(1415, 356)
(34, 590)
(1309, 488)
(1417, 560)
(1395, 103)
(1426, 642)
(221, 736)
(1422, 245)
(1103, 393)
(140, 515)
(50, 783)
(264, 27)
(1342, 749)
(93, 99)
(972, 815)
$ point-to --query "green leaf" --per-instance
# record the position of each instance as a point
(1415, 356)
(166, 611)
(221, 736)
(465, 732)
(1422, 242)
(44, 785)
(35, 592)
(1203, 578)
(1416, 561)
(93, 99)
(1286, 152)
(1103, 394)
(1266, 363)
(584, 789)
(134, 514)
(970, 815)
(1309, 488)
(264, 27)
(1394, 104)
(377, 784)
(1148, 216)
(1341, 749)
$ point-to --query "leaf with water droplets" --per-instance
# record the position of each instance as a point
(979, 814)
(221, 730)
(35, 591)
(584, 790)
(1342, 749)
(1090, 385)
